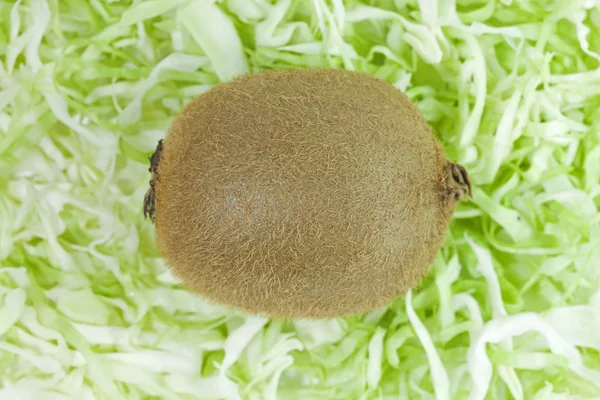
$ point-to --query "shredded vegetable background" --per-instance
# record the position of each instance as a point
(88, 310)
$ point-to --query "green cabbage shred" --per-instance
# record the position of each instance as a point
(511, 307)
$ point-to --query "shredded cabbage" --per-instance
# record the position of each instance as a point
(510, 307)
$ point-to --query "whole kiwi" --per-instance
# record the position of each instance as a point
(302, 194)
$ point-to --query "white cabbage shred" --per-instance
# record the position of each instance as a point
(511, 307)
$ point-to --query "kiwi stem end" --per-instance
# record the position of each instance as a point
(150, 197)
(458, 183)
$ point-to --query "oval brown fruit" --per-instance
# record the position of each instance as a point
(302, 194)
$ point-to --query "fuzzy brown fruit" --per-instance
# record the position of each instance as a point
(302, 194)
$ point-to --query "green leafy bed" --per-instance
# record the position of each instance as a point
(511, 308)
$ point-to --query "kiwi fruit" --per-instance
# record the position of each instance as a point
(311, 193)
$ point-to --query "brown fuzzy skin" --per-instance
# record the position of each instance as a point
(303, 194)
